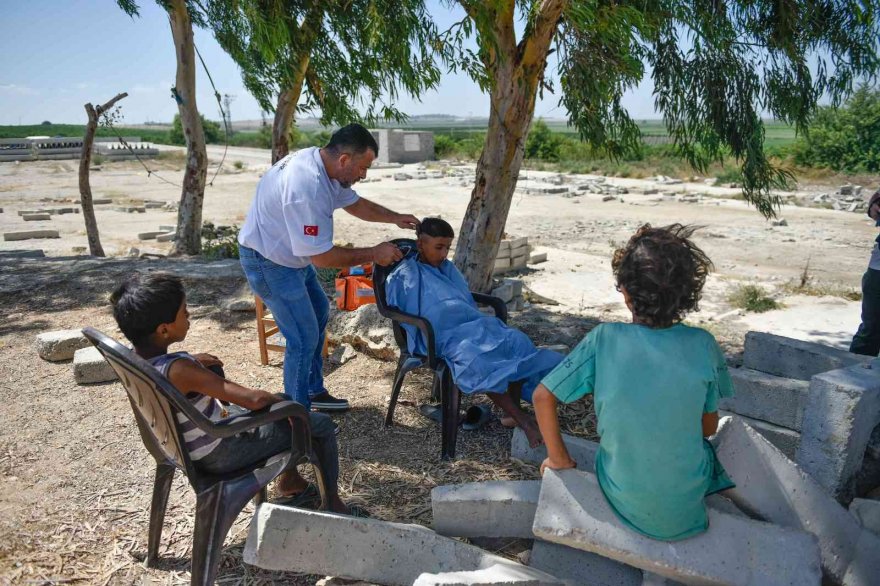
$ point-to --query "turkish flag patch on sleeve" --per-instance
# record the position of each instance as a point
(310, 230)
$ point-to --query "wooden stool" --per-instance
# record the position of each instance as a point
(266, 328)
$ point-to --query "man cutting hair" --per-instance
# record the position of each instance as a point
(289, 231)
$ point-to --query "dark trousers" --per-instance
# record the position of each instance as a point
(867, 338)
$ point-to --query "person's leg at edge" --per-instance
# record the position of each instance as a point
(509, 403)
(867, 339)
(284, 292)
(321, 307)
(327, 453)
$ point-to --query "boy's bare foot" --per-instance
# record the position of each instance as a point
(507, 421)
(290, 483)
(533, 434)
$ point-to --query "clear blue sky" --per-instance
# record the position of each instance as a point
(60, 54)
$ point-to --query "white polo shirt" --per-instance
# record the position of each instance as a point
(291, 217)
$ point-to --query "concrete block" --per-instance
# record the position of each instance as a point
(790, 358)
(168, 228)
(842, 411)
(30, 235)
(60, 345)
(572, 511)
(32, 253)
(583, 451)
(518, 242)
(517, 286)
(150, 205)
(90, 367)
(494, 576)
(786, 440)
(130, 209)
(167, 237)
(867, 513)
(148, 235)
(101, 201)
(520, 261)
(503, 508)
(774, 399)
(504, 248)
(36, 217)
(22, 213)
(504, 292)
(312, 542)
(582, 567)
(502, 264)
(778, 490)
(538, 258)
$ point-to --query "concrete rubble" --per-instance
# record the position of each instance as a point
(734, 551)
(312, 542)
(342, 354)
(776, 489)
(366, 330)
(89, 367)
(60, 344)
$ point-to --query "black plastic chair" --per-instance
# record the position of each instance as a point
(443, 387)
(219, 499)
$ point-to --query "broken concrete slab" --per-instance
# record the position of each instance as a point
(774, 399)
(32, 253)
(786, 440)
(582, 451)
(312, 542)
(842, 411)
(572, 511)
(867, 513)
(30, 235)
(502, 508)
(779, 491)
(130, 209)
(166, 237)
(60, 344)
(149, 235)
(89, 366)
(582, 567)
(790, 358)
(36, 217)
(497, 575)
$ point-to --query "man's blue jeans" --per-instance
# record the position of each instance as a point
(301, 310)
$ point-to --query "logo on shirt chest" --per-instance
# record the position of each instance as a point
(310, 230)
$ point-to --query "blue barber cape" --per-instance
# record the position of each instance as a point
(484, 353)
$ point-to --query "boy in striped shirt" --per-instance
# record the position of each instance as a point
(151, 311)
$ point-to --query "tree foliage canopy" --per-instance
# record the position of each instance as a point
(717, 67)
(357, 53)
(845, 138)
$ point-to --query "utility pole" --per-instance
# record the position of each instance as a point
(227, 103)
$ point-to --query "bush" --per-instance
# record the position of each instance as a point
(753, 298)
(213, 133)
(846, 138)
(542, 144)
(219, 241)
(444, 145)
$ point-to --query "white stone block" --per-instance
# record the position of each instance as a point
(582, 567)
(786, 440)
(572, 511)
(517, 286)
(89, 366)
(842, 411)
(504, 292)
(774, 399)
(312, 542)
(503, 508)
(790, 358)
(497, 575)
(538, 258)
(60, 345)
(30, 235)
(504, 248)
(519, 242)
(781, 492)
(582, 451)
(867, 513)
(520, 260)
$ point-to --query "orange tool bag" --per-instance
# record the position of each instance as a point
(354, 287)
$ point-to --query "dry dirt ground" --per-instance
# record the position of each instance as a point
(76, 480)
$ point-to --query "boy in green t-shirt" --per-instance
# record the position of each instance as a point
(655, 384)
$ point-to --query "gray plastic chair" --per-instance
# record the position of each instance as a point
(219, 499)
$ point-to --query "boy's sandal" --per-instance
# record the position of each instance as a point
(358, 511)
(309, 496)
(476, 417)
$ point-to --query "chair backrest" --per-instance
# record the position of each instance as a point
(380, 274)
(153, 398)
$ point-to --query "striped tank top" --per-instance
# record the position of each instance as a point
(198, 443)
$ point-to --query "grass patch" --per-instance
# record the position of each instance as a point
(823, 290)
(753, 298)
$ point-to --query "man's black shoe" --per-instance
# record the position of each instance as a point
(327, 402)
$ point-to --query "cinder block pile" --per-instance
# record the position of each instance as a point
(817, 404)
(89, 365)
(513, 254)
(510, 291)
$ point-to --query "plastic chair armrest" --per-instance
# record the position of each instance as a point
(276, 411)
(419, 322)
(495, 303)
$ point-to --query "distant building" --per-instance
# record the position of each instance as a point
(404, 146)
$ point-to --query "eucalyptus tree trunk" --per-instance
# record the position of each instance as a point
(516, 69)
(85, 160)
(285, 112)
(189, 214)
